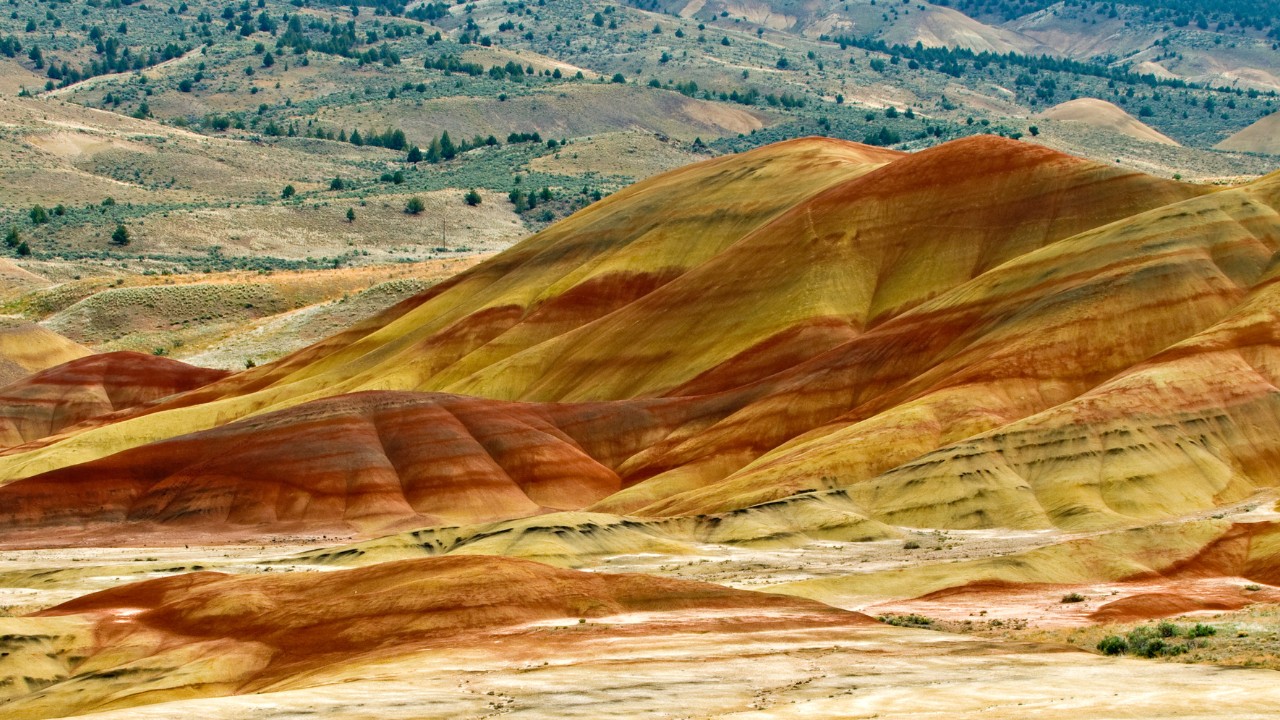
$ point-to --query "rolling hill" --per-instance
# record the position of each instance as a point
(271, 634)
(1102, 115)
(1260, 137)
(700, 409)
(27, 348)
(987, 388)
(47, 402)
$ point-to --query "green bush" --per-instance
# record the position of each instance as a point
(1201, 630)
(911, 620)
(414, 206)
(1113, 645)
(1149, 641)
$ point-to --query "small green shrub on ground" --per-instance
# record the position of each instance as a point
(1201, 630)
(911, 620)
(1150, 641)
(1113, 645)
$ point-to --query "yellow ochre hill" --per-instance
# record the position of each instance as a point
(984, 334)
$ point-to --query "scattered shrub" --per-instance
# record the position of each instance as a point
(1200, 630)
(911, 620)
(1113, 645)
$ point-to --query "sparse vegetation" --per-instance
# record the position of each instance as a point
(909, 620)
(1156, 640)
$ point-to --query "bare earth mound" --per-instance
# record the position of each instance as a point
(1105, 116)
(1261, 137)
(474, 637)
(46, 403)
(26, 348)
(232, 635)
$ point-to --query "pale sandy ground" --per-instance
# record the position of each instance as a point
(873, 672)
(553, 670)
(32, 580)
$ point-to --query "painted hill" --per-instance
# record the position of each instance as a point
(986, 377)
(26, 348)
(1103, 115)
(597, 261)
(50, 401)
(981, 381)
(1261, 137)
(925, 303)
(372, 461)
(293, 629)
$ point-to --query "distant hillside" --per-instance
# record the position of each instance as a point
(1104, 116)
(858, 369)
(1260, 137)
(26, 348)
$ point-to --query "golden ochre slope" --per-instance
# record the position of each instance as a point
(832, 266)
(26, 348)
(1186, 288)
(982, 334)
(744, 265)
(602, 258)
